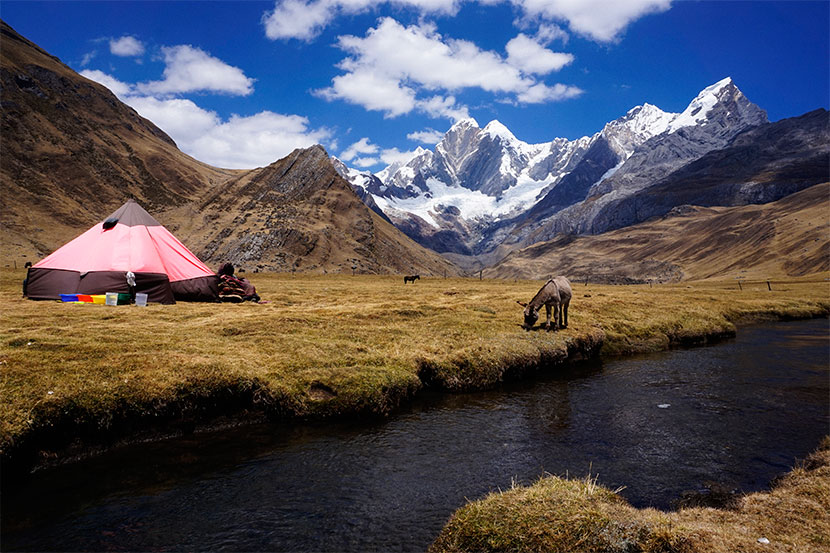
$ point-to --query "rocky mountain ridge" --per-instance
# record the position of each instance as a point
(299, 215)
(718, 114)
(482, 189)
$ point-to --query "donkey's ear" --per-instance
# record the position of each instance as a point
(523, 304)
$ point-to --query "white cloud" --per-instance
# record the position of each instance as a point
(365, 154)
(362, 146)
(541, 93)
(441, 107)
(372, 90)
(531, 57)
(364, 162)
(418, 53)
(88, 57)
(182, 119)
(256, 140)
(304, 20)
(126, 46)
(445, 7)
(600, 20)
(426, 136)
(297, 19)
(391, 67)
(237, 143)
(190, 69)
(548, 32)
(386, 158)
(119, 88)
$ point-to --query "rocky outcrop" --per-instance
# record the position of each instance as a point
(437, 197)
(762, 164)
(363, 184)
(596, 162)
(69, 138)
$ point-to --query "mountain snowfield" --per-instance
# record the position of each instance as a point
(483, 187)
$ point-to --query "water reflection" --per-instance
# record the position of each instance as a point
(738, 413)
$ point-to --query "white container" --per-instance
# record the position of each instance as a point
(141, 299)
(112, 298)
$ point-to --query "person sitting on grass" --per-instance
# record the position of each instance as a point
(235, 289)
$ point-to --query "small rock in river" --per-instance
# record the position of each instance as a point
(664, 405)
(765, 541)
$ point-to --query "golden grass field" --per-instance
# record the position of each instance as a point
(79, 376)
(326, 346)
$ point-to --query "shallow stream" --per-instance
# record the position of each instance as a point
(738, 414)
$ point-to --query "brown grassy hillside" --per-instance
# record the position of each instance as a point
(786, 238)
(73, 153)
(299, 214)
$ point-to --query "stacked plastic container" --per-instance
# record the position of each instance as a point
(110, 298)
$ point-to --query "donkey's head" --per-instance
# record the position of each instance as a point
(530, 315)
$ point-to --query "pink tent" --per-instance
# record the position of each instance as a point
(130, 240)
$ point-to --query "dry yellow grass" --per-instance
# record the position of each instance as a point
(556, 514)
(323, 346)
(783, 239)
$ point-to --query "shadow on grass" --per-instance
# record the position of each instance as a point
(537, 328)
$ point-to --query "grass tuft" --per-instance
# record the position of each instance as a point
(558, 514)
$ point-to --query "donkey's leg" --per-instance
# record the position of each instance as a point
(547, 309)
(565, 314)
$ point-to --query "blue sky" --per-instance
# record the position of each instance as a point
(241, 84)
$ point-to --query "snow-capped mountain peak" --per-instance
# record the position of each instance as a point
(635, 127)
(477, 182)
(465, 123)
(649, 120)
(386, 174)
(698, 109)
(496, 129)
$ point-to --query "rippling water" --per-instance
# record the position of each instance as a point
(738, 414)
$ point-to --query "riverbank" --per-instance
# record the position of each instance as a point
(77, 377)
(557, 514)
